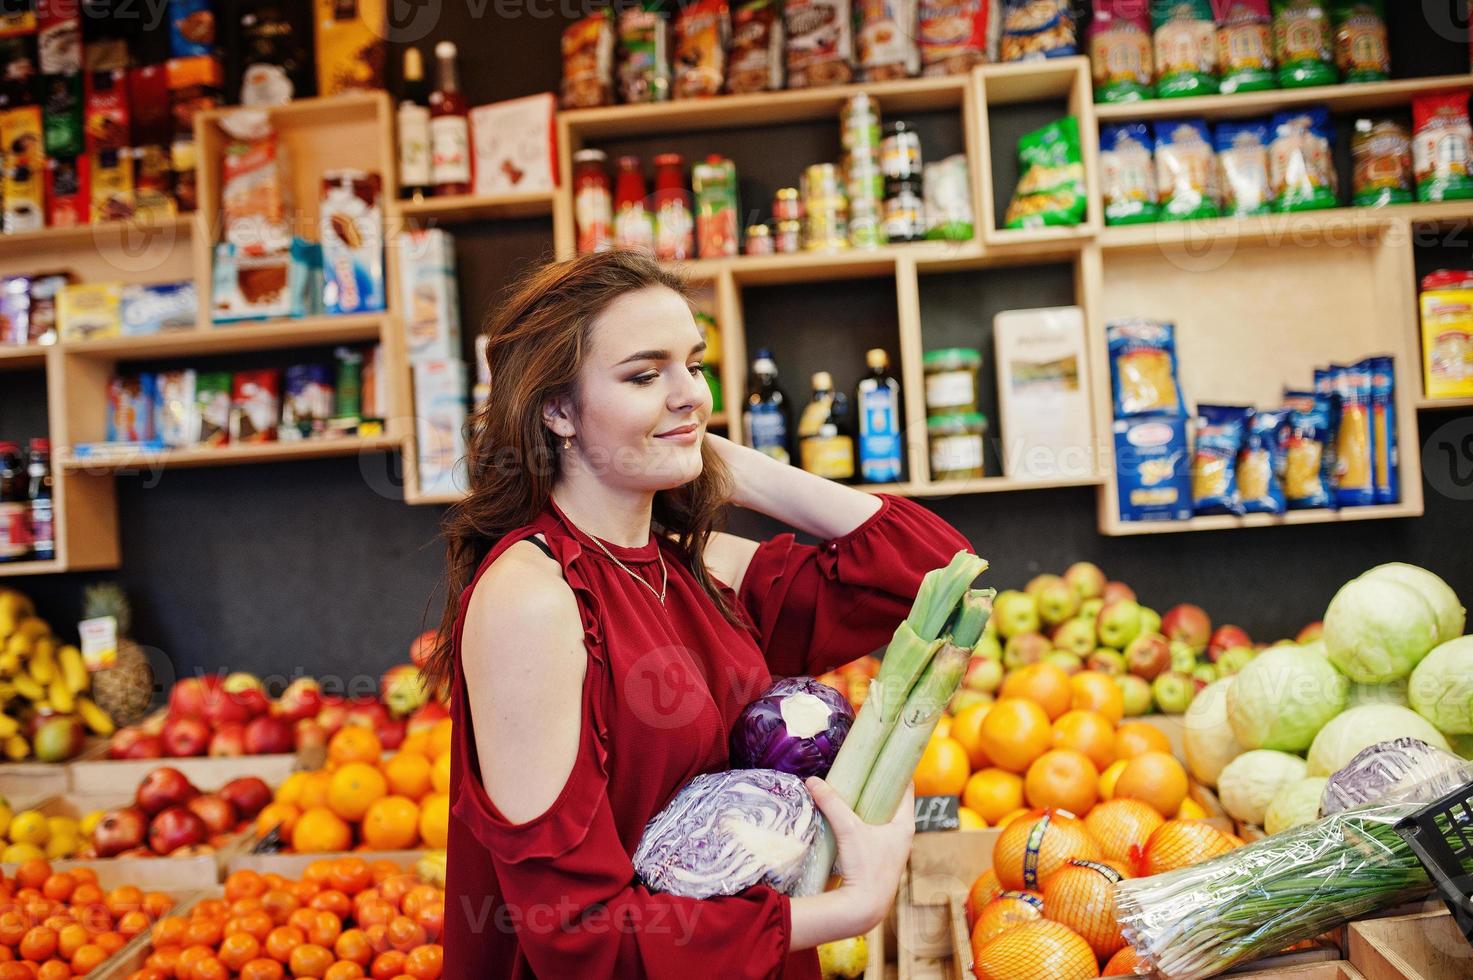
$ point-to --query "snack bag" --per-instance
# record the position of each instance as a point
(1303, 45)
(1120, 52)
(1186, 172)
(1259, 486)
(1050, 189)
(820, 44)
(1386, 468)
(700, 49)
(1361, 50)
(255, 405)
(887, 39)
(955, 35)
(643, 55)
(1143, 368)
(588, 62)
(755, 63)
(1301, 161)
(1127, 174)
(1381, 164)
(1441, 147)
(1306, 475)
(1185, 48)
(1245, 47)
(209, 423)
(1242, 163)
(1355, 484)
(1220, 433)
(1034, 29)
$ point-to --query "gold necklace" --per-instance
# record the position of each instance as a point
(664, 570)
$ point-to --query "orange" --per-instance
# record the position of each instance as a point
(1110, 777)
(387, 965)
(1093, 690)
(281, 941)
(434, 820)
(993, 793)
(1015, 732)
(244, 883)
(1037, 844)
(1155, 778)
(417, 743)
(88, 958)
(315, 789)
(352, 945)
(1122, 964)
(238, 949)
(343, 970)
(1122, 827)
(1003, 823)
(309, 960)
(38, 943)
(273, 815)
(1191, 810)
(132, 923)
(969, 819)
(59, 887)
(33, 872)
(1179, 844)
(943, 768)
(157, 904)
(1135, 737)
(320, 830)
(290, 790)
(408, 775)
(353, 788)
(1081, 895)
(440, 738)
(440, 774)
(404, 933)
(331, 900)
(1033, 950)
(391, 824)
(350, 875)
(1063, 779)
(425, 962)
(943, 725)
(966, 728)
(1006, 911)
(1089, 732)
(262, 969)
(354, 743)
(69, 939)
(1043, 683)
(983, 890)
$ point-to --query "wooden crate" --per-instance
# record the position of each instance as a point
(1425, 946)
(293, 865)
(132, 956)
(115, 776)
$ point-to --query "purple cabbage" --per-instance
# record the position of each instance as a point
(796, 726)
(1391, 767)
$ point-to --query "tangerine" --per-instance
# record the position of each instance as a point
(244, 883)
(1037, 844)
(309, 960)
(343, 970)
(943, 768)
(1089, 732)
(387, 965)
(1122, 827)
(1136, 737)
(1043, 683)
(440, 737)
(434, 820)
(238, 949)
(440, 774)
(1036, 949)
(350, 875)
(1062, 779)
(1081, 895)
(966, 728)
(88, 958)
(281, 941)
(1093, 690)
(352, 945)
(425, 962)
(1015, 732)
(354, 788)
(993, 793)
(314, 790)
(1155, 778)
(409, 774)
(262, 969)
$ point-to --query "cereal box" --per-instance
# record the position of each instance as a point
(1153, 468)
(428, 287)
(439, 412)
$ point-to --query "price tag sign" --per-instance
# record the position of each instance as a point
(937, 813)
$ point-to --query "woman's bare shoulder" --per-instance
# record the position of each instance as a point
(521, 603)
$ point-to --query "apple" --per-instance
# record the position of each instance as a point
(1015, 612)
(403, 689)
(217, 812)
(241, 681)
(334, 715)
(989, 646)
(229, 739)
(137, 852)
(1183, 660)
(269, 734)
(1188, 624)
(119, 831)
(1225, 638)
(1057, 602)
(434, 712)
(391, 733)
(309, 735)
(1173, 692)
(1023, 649)
(1310, 633)
(1070, 663)
(189, 696)
(301, 699)
(1106, 661)
(423, 647)
(162, 788)
(1118, 623)
(1148, 656)
(1090, 608)
(983, 675)
(1150, 620)
(1038, 583)
(176, 827)
(1117, 590)
(1076, 636)
(122, 741)
(1137, 694)
(248, 794)
(222, 707)
(1086, 579)
(1205, 674)
(1231, 661)
(964, 699)
(186, 736)
(146, 747)
(366, 711)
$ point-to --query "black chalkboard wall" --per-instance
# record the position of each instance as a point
(317, 567)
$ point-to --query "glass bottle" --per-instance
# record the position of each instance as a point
(450, 134)
(38, 492)
(15, 511)
(414, 128)
(877, 398)
(766, 420)
(825, 447)
(593, 201)
(674, 226)
(634, 225)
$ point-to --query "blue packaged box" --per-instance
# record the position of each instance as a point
(151, 309)
(1153, 468)
(265, 287)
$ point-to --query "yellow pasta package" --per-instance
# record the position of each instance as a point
(1143, 368)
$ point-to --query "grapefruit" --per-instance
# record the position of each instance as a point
(1081, 895)
(1037, 844)
(1035, 950)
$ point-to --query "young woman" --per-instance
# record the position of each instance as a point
(601, 637)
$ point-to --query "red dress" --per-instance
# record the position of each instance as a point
(556, 897)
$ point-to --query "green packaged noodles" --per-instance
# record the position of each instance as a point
(1185, 48)
(1245, 47)
(1186, 171)
(1127, 174)
(1361, 50)
(1051, 188)
(1381, 163)
(1303, 43)
(1242, 162)
(1301, 161)
(1441, 138)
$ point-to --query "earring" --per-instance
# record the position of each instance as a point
(567, 442)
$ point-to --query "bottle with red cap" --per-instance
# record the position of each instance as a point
(674, 226)
(634, 225)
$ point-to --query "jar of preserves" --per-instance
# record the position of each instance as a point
(593, 200)
(956, 445)
(951, 380)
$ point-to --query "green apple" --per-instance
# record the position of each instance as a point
(1106, 661)
(1173, 692)
(1183, 657)
(1232, 660)
(1076, 636)
(1071, 663)
(1118, 623)
(1137, 694)
(1150, 620)
(1014, 613)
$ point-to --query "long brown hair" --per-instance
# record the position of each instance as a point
(537, 342)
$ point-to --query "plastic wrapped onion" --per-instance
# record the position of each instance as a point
(727, 831)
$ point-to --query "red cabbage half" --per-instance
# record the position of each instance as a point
(796, 726)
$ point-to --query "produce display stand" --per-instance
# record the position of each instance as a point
(133, 955)
(294, 865)
(32, 780)
(209, 773)
(1424, 946)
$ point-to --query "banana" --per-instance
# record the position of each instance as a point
(60, 696)
(10, 664)
(18, 644)
(94, 717)
(42, 667)
(73, 668)
(34, 627)
(17, 748)
(29, 689)
(8, 726)
(7, 691)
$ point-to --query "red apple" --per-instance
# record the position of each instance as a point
(432, 712)
(122, 741)
(137, 852)
(423, 647)
(1224, 638)
(229, 739)
(366, 711)
(253, 700)
(301, 699)
(334, 715)
(162, 788)
(1117, 590)
(190, 695)
(391, 734)
(310, 736)
(1189, 624)
(174, 828)
(217, 812)
(118, 831)
(1148, 655)
(249, 795)
(221, 707)
(241, 681)
(184, 736)
(269, 734)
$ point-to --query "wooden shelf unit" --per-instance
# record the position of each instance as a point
(264, 452)
(26, 357)
(458, 208)
(1353, 97)
(1438, 404)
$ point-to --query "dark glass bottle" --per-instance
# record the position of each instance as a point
(38, 492)
(825, 445)
(767, 419)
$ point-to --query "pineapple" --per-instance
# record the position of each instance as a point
(125, 690)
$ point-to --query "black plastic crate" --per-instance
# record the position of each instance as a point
(1441, 835)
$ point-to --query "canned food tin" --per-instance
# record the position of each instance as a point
(865, 231)
(905, 213)
(900, 152)
(786, 205)
(827, 225)
(789, 237)
(759, 240)
(820, 181)
(859, 122)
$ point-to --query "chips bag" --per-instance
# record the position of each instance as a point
(701, 31)
(1441, 147)
(955, 35)
(1301, 161)
(1242, 163)
(1050, 188)
(588, 62)
(1186, 172)
(1307, 479)
(1143, 368)
(1354, 448)
(1127, 174)
(1259, 486)
(1034, 29)
(886, 38)
(1361, 50)
(1303, 45)
(755, 60)
(1220, 433)
(1120, 51)
(1381, 164)
(1185, 48)
(643, 65)
(1245, 47)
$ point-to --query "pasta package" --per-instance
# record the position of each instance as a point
(888, 47)
(1305, 436)
(1185, 48)
(755, 60)
(1387, 464)
(1301, 161)
(643, 66)
(1033, 29)
(1442, 142)
(700, 49)
(1127, 174)
(1381, 163)
(1354, 449)
(1361, 50)
(1120, 57)
(1259, 486)
(820, 42)
(1186, 171)
(1050, 189)
(1152, 468)
(1242, 163)
(1220, 434)
(588, 62)
(955, 35)
(1143, 368)
(1245, 47)
(1303, 44)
